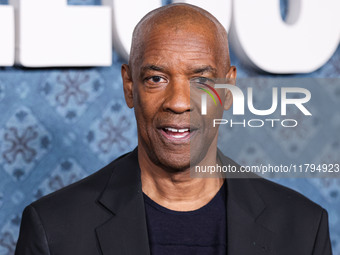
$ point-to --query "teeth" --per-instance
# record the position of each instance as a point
(177, 130)
(178, 136)
(183, 130)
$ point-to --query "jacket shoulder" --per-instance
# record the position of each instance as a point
(287, 211)
(282, 196)
(291, 216)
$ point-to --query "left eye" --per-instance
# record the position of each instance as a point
(203, 81)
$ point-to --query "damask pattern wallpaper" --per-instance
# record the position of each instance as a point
(60, 125)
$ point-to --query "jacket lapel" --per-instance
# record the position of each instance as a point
(126, 231)
(245, 233)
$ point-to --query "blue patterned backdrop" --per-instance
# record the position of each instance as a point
(60, 125)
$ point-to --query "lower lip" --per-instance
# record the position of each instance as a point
(177, 136)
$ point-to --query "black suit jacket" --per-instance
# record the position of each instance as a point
(104, 214)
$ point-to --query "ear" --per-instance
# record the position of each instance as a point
(230, 79)
(127, 85)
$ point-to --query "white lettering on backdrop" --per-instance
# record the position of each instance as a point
(50, 33)
(6, 35)
(305, 43)
(125, 16)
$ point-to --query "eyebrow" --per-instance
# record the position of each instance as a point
(146, 68)
(205, 69)
(202, 69)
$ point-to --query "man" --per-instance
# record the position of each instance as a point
(145, 201)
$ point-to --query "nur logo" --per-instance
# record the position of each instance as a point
(239, 99)
(204, 98)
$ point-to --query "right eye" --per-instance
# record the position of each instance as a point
(155, 80)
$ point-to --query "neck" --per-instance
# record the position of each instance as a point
(177, 190)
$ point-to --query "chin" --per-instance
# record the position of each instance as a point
(173, 162)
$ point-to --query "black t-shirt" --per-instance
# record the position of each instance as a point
(199, 232)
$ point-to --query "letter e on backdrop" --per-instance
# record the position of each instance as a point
(125, 16)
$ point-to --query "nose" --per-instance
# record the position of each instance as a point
(177, 99)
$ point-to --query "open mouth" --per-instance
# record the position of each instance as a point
(177, 134)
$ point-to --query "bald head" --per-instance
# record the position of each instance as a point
(176, 17)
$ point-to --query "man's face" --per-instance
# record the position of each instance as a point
(167, 119)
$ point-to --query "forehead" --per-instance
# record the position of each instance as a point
(174, 45)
